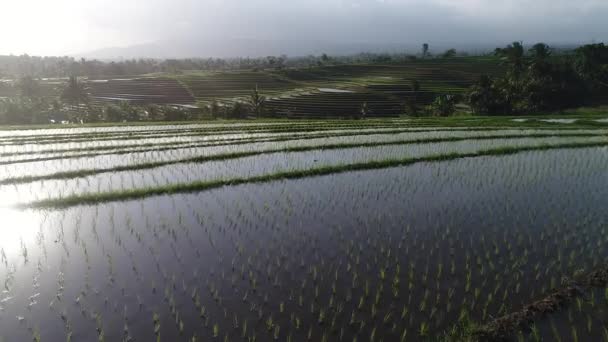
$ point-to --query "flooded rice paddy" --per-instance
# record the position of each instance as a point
(386, 252)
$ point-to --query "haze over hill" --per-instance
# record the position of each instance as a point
(188, 28)
(243, 47)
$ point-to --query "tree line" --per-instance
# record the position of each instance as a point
(13, 67)
(536, 80)
(73, 104)
(539, 81)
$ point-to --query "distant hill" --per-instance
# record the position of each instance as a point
(239, 47)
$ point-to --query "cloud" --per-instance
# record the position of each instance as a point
(51, 27)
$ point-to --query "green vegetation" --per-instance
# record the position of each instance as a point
(417, 229)
(540, 82)
(225, 156)
(201, 186)
(512, 82)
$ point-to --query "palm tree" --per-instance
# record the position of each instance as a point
(75, 93)
(540, 51)
(412, 103)
(28, 87)
(364, 111)
(591, 63)
(257, 102)
(425, 50)
(513, 55)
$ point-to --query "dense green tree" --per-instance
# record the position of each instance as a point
(486, 98)
(540, 52)
(536, 84)
(443, 105)
(154, 112)
(113, 113)
(238, 110)
(591, 63)
(425, 50)
(173, 113)
(75, 93)
(513, 56)
(129, 112)
(29, 87)
(23, 111)
(215, 109)
(553, 86)
(449, 53)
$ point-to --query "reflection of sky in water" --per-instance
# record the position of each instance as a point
(253, 166)
(190, 241)
(17, 228)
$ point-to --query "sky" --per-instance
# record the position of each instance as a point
(60, 27)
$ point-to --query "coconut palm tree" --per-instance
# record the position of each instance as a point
(513, 56)
(75, 93)
(540, 52)
(257, 102)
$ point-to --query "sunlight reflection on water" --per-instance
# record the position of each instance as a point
(17, 228)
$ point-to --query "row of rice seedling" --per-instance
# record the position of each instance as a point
(32, 150)
(276, 127)
(135, 160)
(310, 126)
(234, 84)
(12, 149)
(152, 90)
(16, 153)
(210, 131)
(196, 133)
(397, 254)
(327, 104)
(266, 167)
(22, 156)
(82, 152)
(25, 132)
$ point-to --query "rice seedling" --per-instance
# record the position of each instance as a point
(363, 249)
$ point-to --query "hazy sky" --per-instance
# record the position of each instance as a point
(50, 27)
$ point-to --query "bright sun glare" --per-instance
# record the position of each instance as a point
(39, 27)
(18, 227)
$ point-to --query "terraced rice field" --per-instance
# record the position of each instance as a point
(139, 91)
(341, 91)
(329, 91)
(373, 230)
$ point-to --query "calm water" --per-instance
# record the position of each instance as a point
(354, 254)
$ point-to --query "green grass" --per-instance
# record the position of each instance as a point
(122, 195)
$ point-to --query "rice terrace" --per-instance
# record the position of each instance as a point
(387, 229)
(301, 171)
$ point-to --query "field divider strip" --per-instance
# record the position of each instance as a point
(501, 328)
(123, 195)
(293, 149)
